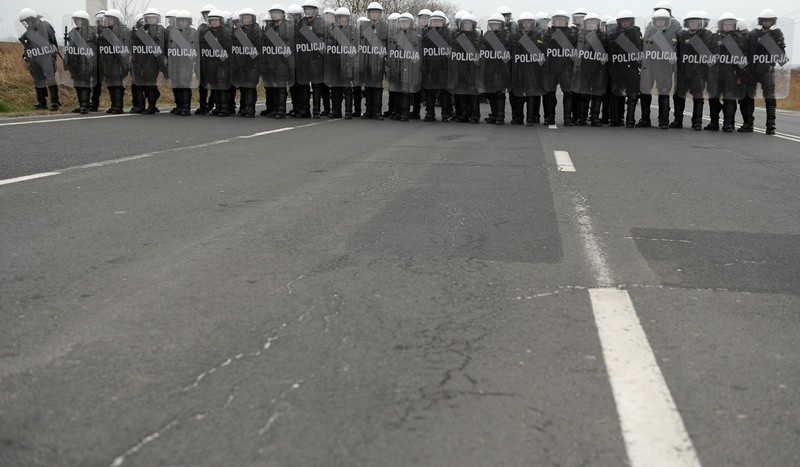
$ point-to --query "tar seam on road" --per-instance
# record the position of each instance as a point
(652, 427)
(151, 154)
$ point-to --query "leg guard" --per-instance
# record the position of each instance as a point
(646, 101)
(772, 106)
(697, 114)
(714, 109)
(680, 105)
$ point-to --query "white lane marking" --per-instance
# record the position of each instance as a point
(651, 424)
(778, 134)
(563, 161)
(69, 119)
(652, 427)
(552, 127)
(9, 181)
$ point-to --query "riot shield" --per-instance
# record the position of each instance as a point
(528, 65)
(41, 49)
(560, 54)
(277, 55)
(695, 61)
(625, 52)
(183, 58)
(80, 57)
(115, 55)
(215, 58)
(341, 56)
(372, 51)
(405, 61)
(147, 55)
(590, 74)
(246, 56)
(465, 63)
(310, 46)
(495, 72)
(728, 77)
(659, 60)
(435, 58)
(770, 69)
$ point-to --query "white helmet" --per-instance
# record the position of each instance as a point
(362, 19)
(460, 14)
(407, 16)
(208, 8)
(767, 14)
(526, 15)
(580, 11)
(99, 14)
(439, 14)
(694, 14)
(663, 5)
(374, 6)
(248, 11)
(469, 17)
(560, 13)
(277, 7)
(82, 14)
(540, 15)
(625, 14)
(661, 13)
(591, 16)
(394, 16)
(703, 14)
(294, 9)
(183, 14)
(496, 17)
(171, 13)
(727, 16)
(26, 13)
(114, 13)
(424, 12)
(503, 10)
(227, 15)
(310, 4)
(342, 11)
(215, 13)
(151, 11)
(606, 18)
(328, 11)
(138, 17)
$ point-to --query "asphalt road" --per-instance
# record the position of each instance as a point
(208, 291)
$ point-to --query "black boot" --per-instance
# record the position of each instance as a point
(728, 115)
(474, 104)
(377, 103)
(714, 109)
(697, 114)
(606, 109)
(316, 99)
(500, 108)
(583, 113)
(680, 105)
(747, 108)
(337, 96)
(646, 101)
(222, 100)
(597, 102)
(446, 101)
(327, 95)
(186, 102)
(491, 119)
(567, 108)
(549, 102)
(630, 116)
(416, 104)
(55, 102)
(348, 103)
(772, 106)
(280, 103)
(430, 106)
(405, 106)
(94, 100)
(663, 112)
(617, 111)
(357, 94)
(528, 103)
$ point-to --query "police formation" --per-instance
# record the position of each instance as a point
(604, 67)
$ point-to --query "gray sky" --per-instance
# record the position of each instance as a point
(56, 9)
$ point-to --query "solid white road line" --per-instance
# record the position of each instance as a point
(70, 119)
(9, 181)
(651, 424)
(563, 161)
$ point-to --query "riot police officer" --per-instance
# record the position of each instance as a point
(727, 82)
(767, 48)
(148, 60)
(625, 48)
(435, 64)
(41, 49)
(559, 41)
(694, 62)
(80, 58)
(115, 62)
(215, 59)
(246, 60)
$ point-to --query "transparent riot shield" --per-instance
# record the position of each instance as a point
(728, 77)
(310, 46)
(341, 56)
(435, 57)
(590, 74)
(465, 63)
(659, 60)
(770, 69)
(277, 55)
(527, 68)
(495, 72)
(114, 58)
(695, 62)
(40, 51)
(560, 54)
(215, 58)
(148, 58)
(405, 61)
(372, 52)
(183, 58)
(80, 56)
(246, 56)
(625, 51)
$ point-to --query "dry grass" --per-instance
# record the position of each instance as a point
(17, 95)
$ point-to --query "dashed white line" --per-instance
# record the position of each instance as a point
(563, 161)
(652, 427)
(9, 181)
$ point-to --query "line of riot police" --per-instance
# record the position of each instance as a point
(603, 67)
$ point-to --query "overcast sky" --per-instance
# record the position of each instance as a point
(56, 9)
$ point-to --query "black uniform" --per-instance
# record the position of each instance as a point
(728, 79)
(373, 39)
(495, 73)
(590, 75)
(277, 67)
(462, 77)
(559, 44)
(148, 45)
(309, 43)
(183, 56)
(624, 48)
(115, 63)
(246, 67)
(215, 61)
(80, 60)
(765, 49)
(435, 64)
(694, 62)
(527, 71)
(41, 49)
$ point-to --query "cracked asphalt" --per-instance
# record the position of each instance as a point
(345, 293)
